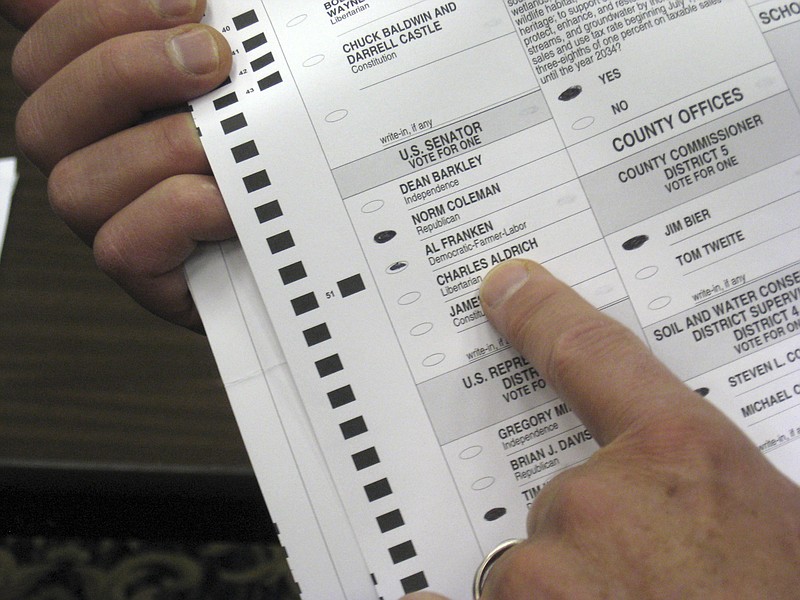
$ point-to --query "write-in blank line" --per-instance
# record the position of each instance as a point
(435, 61)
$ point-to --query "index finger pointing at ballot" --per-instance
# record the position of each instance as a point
(600, 368)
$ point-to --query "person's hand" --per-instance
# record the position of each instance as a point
(677, 503)
(136, 187)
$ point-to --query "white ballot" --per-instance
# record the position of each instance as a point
(379, 158)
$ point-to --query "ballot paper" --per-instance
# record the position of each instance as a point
(379, 158)
(8, 181)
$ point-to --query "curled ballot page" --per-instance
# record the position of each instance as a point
(379, 158)
(321, 550)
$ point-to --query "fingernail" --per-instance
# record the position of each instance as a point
(502, 282)
(195, 51)
(175, 8)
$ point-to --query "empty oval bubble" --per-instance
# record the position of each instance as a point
(296, 20)
(336, 115)
(372, 206)
(483, 483)
(647, 272)
(432, 360)
(313, 61)
(396, 267)
(471, 452)
(659, 303)
(409, 298)
(421, 329)
(583, 123)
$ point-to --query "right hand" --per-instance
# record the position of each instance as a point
(677, 502)
(137, 188)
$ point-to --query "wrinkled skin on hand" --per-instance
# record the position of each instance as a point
(676, 504)
(137, 188)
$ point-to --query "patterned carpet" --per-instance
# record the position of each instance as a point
(96, 533)
(74, 569)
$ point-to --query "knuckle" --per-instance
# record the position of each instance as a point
(577, 498)
(110, 18)
(64, 192)
(113, 61)
(111, 254)
(23, 65)
(178, 142)
(31, 138)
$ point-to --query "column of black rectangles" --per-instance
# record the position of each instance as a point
(369, 457)
(245, 20)
(305, 303)
(260, 179)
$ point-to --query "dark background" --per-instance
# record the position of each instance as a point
(110, 418)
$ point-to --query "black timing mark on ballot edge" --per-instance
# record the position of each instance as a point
(317, 334)
(234, 123)
(245, 151)
(351, 285)
(378, 489)
(225, 101)
(262, 62)
(254, 42)
(329, 365)
(354, 427)
(279, 242)
(256, 181)
(305, 303)
(402, 552)
(245, 20)
(269, 211)
(291, 273)
(341, 396)
(269, 81)
(414, 583)
(366, 458)
(391, 520)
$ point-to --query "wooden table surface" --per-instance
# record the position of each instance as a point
(87, 376)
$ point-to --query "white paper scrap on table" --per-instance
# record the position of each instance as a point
(8, 181)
